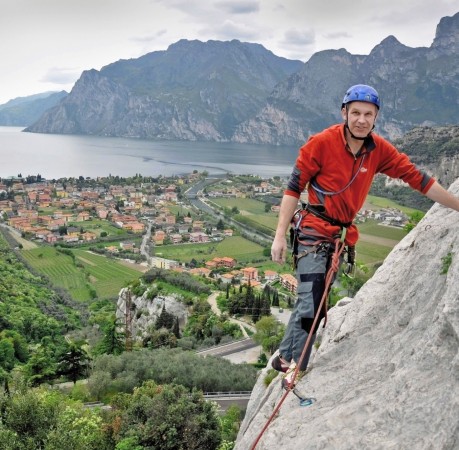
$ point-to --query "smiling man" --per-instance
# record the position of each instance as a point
(336, 167)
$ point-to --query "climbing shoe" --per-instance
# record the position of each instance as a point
(280, 364)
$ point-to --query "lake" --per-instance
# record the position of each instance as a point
(56, 156)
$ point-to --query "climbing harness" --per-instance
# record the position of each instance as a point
(333, 269)
(321, 244)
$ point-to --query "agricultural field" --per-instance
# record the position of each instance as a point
(235, 247)
(251, 212)
(106, 275)
(245, 205)
(60, 270)
(376, 241)
(97, 226)
(377, 203)
(89, 272)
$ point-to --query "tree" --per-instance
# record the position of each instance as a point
(45, 419)
(229, 423)
(74, 363)
(269, 333)
(165, 320)
(113, 341)
(167, 417)
(41, 366)
(176, 328)
(353, 284)
(275, 301)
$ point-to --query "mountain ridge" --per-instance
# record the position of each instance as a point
(22, 111)
(240, 92)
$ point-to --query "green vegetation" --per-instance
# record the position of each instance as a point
(112, 374)
(269, 333)
(235, 247)
(374, 228)
(84, 276)
(249, 212)
(383, 202)
(402, 195)
(446, 263)
(271, 374)
(165, 417)
(244, 205)
(152, 416)
(370, 253)
(41, 418)
(97, 226)
(33, 322)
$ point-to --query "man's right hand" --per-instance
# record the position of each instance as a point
(279, 250)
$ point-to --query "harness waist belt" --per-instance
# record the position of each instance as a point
(318, 211)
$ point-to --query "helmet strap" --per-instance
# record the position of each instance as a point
(356, 137)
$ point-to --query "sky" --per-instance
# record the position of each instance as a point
(47, 44)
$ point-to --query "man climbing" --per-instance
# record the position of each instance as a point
(337, 167)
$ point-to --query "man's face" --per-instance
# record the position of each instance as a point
(360, 117)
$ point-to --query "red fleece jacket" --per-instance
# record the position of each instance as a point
(327, 161)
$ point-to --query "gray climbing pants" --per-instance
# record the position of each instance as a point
(310, 274)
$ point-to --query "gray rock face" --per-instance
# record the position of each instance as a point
(144, 312)
(386, 375)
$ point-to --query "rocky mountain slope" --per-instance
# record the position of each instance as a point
(24, 111)
(435, 149)
(386, 374)
(192, 91)
(418, 86)
(145, 312)
(240, 92)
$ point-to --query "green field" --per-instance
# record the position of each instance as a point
(251, 212)
(374, 228)
(249, 205)
(97, 226)
(104, 275)
(235, 247)
(107, 275)
(367, 252)
(371, 253)
(381, 202)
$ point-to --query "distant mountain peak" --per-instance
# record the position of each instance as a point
(241, 92)
(447, 35)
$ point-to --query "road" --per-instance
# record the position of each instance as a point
(194, 197)
(227, 399)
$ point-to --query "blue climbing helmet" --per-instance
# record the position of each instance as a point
(361, 93)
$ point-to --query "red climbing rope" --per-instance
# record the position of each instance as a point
(334, 266)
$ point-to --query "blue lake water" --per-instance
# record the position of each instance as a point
(55, 156)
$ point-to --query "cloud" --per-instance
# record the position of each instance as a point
(337, 35)
(239, 7)
(61, 75)
(230, 30)
(149, 38)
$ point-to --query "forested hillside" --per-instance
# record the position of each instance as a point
(33, 319)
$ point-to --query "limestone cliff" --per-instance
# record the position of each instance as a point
(386, 374)
(144, 311)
